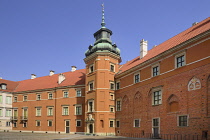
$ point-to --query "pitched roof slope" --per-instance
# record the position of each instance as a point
(71, 78)
(191, 32)
(11, 85)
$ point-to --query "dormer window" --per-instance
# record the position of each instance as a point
(3, 86)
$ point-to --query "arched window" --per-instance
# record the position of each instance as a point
(125, 102)
(194, 84)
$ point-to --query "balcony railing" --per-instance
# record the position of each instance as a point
(24, 117)
(14, 118)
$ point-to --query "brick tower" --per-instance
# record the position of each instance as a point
(102, 62)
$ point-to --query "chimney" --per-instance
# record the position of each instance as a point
(194, 23)
(61, 78)
(52, 72)
(73, 68)
(143, 48)
(33, 76)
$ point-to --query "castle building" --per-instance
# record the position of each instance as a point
(165, 90)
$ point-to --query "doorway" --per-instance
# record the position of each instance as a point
(67, 126)
(155, 127)
(91, 128)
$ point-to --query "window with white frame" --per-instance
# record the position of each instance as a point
(111, 108)
(8, 113)
(38, 111)
(65, 94)
(111, 96)
(25, 124)
(38, 123)
(78, 109)
(136, 78)
(15, 98)
(136, 123)
(112, 67)
(49, 111)
(3, 86)
(25, 97)
(7, 124)
(15, 114)
(155, 70)
(38, 97)
(117, 85)
(118, 105)
(50, 123)
(25, 113)
(91, 86)
(157, 97)
(112, 85)
(65, 110)
(79, 93)
(180, 60)
(91, 68)
(1, 99)
(8, 100)
(15, 124)
(90, 105)
(111, 123)
(50, 96)
(117, 123)
(183, 120)
(1, 112)
(78, 123)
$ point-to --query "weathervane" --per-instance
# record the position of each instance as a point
(103, 22)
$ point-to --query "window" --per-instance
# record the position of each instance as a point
(8, 112)
(38, 111)
(90, 86)
(50, 111)
(111, 123)
(117, 123)
(65, 110)
(118, 104)
(3, 86)
(91, 68)
(180, 60)
(111, 108)
(157, 97)
(38, 123)
(78, 123)
(111, 96)
(136, 123)
(50, 123)
(112, 85)
(24, 124)
(136, 78)
(65, 94)
(50, 96)
(183, 120)
(112, 68)
(90, 106)
(15, 115)
(25, 98)
(15, 124)
(7, 124)
(155, 122)
(15, 99)
(79, 93)
(0, 98)
(38, 97)
(8, 100)
(155, 70)
(1, 112)
(118, 85)
(25, 114)
(78, 109)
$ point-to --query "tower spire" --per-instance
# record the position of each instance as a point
(103, 19)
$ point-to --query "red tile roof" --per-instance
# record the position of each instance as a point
(71, 78)
(11, 85)
(193, 31)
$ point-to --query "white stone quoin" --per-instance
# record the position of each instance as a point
(33, 76)
(143, 48)
(73, 68)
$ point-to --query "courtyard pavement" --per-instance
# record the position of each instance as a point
(44, 136)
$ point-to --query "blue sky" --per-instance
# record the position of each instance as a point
(37, 36)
